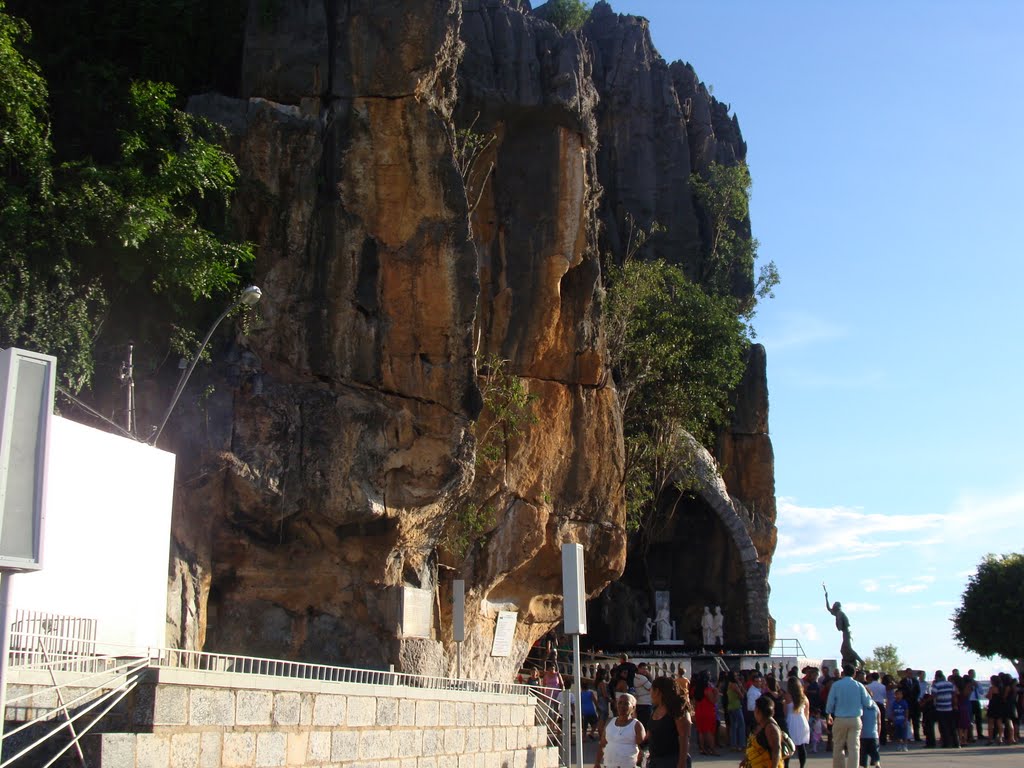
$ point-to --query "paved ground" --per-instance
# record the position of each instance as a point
(967, 757)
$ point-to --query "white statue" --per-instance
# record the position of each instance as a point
(707, 623)
(648, 628)
(664, 624)
(716, 625)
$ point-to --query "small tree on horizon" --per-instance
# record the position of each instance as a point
(886, 660)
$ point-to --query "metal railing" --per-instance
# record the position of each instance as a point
(787, 646)
(35, 633)
(102, 683)
(299, 670)
(94, 685)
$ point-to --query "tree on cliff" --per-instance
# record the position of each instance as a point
(990, 619)
(723, 193)
(567, 15)
(84, 238)
(677, 353)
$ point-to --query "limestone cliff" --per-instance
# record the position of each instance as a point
(340, 451)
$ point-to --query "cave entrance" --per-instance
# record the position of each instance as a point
(697, 548)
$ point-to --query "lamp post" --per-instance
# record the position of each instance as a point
(248, 298)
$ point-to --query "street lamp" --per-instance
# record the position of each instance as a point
(248, 298)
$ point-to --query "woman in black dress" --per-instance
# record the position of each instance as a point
(671, 721)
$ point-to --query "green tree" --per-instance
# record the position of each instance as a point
(990, 621)
(677, 354)
(147, 228)
(567, 15)
(723, 193)
(885, 659)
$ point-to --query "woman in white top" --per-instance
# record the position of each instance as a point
(622, 736)
(799, 728)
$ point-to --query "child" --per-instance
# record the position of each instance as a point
(869, 737)
(817, 727)
(900, 730)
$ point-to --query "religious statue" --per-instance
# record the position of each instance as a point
(717, 622)
(707, 624)
(664, 624)
(648, 628)
(849, 655)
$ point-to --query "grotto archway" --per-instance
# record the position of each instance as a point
(701, 551)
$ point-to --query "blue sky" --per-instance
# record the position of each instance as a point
(885, 144)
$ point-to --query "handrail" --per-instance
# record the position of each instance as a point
(123, 689)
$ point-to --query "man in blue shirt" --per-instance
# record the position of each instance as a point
(847, 700)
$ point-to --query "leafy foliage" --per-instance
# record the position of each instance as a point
(723, 193)
(990, 621)
(677, 353)
(75, 234)
(465, 526)
(886, 660)
(567, 15)
(468, 145)
(507, 408)
(507, 411)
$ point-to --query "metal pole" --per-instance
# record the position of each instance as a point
(5, 644)
(132, 425)
(184, 379)
(577, 687)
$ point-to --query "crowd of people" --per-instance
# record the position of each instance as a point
(772, 721)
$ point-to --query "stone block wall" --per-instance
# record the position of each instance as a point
(188, 719)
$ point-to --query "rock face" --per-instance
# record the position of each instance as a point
(327, 483)
(341, 458)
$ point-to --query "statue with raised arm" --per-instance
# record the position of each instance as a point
(849, 655)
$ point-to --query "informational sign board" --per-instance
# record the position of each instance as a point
(574, 601)
(504, 633)
(417, 612)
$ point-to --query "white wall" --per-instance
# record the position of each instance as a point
(106, 537)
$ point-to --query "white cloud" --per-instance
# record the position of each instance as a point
(805, 631)
(869, 585)
(807, 532)
(909, 588)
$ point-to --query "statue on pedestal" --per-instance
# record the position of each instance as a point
(717, 622)
(849, 655)
(648, 628)
(664, 624)
(707, 623)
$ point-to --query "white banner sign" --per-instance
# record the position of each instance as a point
(504, 633)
